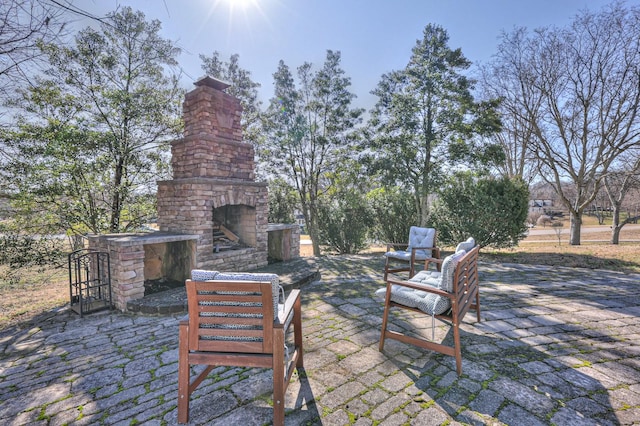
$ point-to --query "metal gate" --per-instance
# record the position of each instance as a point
(89, 281)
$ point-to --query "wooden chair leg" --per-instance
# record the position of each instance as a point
(297, 332)
(386, 268)
(385, 317)
(278, 378)
(183, 375)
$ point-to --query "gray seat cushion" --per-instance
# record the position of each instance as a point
(429, 303)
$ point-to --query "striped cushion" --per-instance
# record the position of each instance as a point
(202, 275)
(276, 288)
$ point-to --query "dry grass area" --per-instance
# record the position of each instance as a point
(594, 252)
(35, 293)
(40, 292)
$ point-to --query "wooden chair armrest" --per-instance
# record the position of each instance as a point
(434, 259)
(434, 250)
(417, 286)
(395, 246)
(289, 304)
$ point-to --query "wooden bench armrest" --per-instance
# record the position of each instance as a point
(436, 260)
(289, 305)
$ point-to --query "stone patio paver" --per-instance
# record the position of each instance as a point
(557, 346)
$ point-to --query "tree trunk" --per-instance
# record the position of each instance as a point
(576, 225)
(424, 211)
(311, 219)
(615, 234)
(615, 225)
(313, 234)
(116, 199)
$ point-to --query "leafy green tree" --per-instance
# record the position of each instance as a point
(345, 216)
(242, 87)
(94, 137)
(394, 212)
(426, 120)
(491, 210)
(309, 131)
(282, 202)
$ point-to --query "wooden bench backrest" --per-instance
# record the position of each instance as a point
(465, 285)
(230, 316)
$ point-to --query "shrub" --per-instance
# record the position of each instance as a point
(394, 212)
(19, 251)
(491, 210)
(345, 222)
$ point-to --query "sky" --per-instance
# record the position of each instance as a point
(373, 36)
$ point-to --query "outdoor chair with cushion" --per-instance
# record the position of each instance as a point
(445, 295)
(236, 319)
(421, 247)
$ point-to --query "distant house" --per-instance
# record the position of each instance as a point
(300, 220)
(539, 206)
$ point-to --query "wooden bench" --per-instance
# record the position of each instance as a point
(464, 294)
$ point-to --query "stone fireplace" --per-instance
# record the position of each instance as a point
(211, 215)
(213, 193)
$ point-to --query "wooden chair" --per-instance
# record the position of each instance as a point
(421, 247)
(446, 295)
(238, 323)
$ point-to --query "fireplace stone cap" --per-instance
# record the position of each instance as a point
(212, 181)
(281, 226)
(212, 82)
(145, 238)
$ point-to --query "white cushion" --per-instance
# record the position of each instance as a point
(421, 237)
(243, 276)
(448, 269)
(202, 275)
(466, 245)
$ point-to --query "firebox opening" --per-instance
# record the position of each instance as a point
(234, 227)
(167, 265)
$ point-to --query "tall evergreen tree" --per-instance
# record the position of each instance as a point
(309, 129)
(242, 87)
(426, 119)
